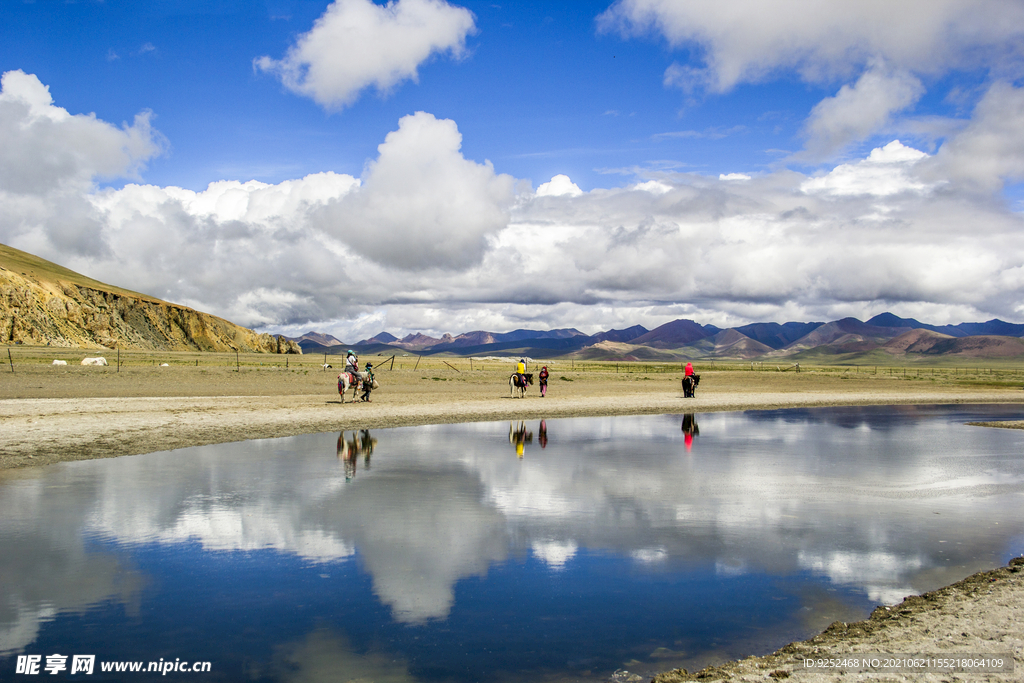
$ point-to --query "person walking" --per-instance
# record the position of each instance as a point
(367, 382)
(543, 377)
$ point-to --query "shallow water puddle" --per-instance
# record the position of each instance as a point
(585, 549)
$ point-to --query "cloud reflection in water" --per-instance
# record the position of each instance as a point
(865, 498)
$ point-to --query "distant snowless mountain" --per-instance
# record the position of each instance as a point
(841, 340)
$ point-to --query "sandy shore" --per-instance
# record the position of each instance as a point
(49, 415)
(983, 614)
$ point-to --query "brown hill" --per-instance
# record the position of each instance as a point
(675, 334)
(622, 351)
(732, 343)
(474, 338)
(42, 303)
(416, 342)
(319, 338)
(981, 346)
(846, 335)
(914, 341)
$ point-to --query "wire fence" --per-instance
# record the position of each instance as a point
(997, 371)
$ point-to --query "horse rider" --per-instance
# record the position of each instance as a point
(521, 371)
(690, 380)
(352, 364)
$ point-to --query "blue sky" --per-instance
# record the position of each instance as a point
(713, 162)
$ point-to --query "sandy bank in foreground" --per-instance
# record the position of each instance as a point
(49, 416)
(980, 615)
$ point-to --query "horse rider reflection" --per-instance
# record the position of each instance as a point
(519, 437)
(690, 430)
(350, 449)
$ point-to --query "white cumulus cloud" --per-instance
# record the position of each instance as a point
(357, 44)
(50, 159)
(748, 40)
(422, 204)
(45, 148)
(990, 150)
(887, 170)
(882, 51)
(859, 110)
(559, 186)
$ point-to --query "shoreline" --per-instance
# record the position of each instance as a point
(47, 418)
(978, 615)
(40, 431)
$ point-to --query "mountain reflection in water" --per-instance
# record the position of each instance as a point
(594, 544)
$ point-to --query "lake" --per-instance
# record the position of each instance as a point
(559, 550)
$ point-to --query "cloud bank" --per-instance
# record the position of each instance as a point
(428, 240)
(749, 41)
(880, 50)
(357, 44)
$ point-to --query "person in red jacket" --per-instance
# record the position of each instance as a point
(690, 380)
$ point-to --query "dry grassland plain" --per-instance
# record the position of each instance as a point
(50, 414)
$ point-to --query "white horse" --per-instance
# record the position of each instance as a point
(346, 380)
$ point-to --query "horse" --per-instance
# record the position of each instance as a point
(348, 379)
(690, 383)
(515, 385)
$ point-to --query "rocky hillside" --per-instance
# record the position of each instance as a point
(42, 303)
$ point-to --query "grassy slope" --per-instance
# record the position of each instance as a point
(41, 270)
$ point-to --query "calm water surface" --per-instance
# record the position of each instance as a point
(561, 550)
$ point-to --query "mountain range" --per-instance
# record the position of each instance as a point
(844, 339)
